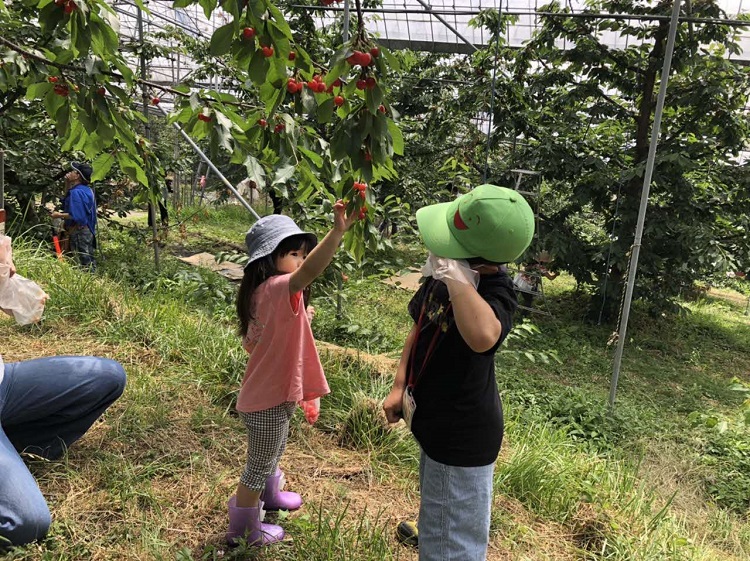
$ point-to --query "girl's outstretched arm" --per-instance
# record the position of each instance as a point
(321, 256)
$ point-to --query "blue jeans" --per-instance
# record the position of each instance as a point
(46, 405)
(82, 244)
(454, 513)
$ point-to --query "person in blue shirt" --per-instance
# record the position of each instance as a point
(79, 212)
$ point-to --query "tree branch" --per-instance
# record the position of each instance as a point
(120, 77)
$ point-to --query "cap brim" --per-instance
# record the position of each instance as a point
(432, 223)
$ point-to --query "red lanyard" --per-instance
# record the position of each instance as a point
(431, 347)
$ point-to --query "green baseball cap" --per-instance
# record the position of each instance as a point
(491, 222)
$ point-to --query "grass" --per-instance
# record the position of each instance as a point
(656, 480)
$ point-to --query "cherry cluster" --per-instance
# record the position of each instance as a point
(361, 188)
(249, 34)
(364, 60)
(262, 123)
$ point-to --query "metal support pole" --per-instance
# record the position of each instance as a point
(345, 33)
(147, 127)
(655, 132)
(212, 167)
(441, 19)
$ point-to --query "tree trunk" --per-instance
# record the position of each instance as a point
(628, 209)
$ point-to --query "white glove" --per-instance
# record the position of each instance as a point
(440, 268)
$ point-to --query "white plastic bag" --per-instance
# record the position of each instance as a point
(19, 296)
(454, 269)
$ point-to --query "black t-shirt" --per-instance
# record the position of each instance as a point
(458, 420)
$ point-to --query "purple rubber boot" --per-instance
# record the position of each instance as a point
(248, 523)
(275, 498)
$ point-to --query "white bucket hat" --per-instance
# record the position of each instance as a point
(268, 232)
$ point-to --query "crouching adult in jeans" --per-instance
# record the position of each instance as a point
(46, 404)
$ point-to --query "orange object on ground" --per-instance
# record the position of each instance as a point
(58, 250)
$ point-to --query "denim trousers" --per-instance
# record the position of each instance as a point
(46, 404)
(454, 512)
(82, 244)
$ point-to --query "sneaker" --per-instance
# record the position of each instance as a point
(407, 533)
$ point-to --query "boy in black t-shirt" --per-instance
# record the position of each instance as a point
(445, 386)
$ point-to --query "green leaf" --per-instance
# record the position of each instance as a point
(312, 156)
(336, 71)
(258, 68)
(283, 174)
(208, 7)
(132, 169)
(392, 60)
(221, 40)
(255, 171)
(101, 166)
(398, 138)
(280, 39)
(75, 132)
(279, 22)
(38, 90)
(325, 110)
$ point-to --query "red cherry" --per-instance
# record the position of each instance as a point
(362, 195)
(155, 101)
(368, 157)
(278, 128)
(338, 101)
(364, 59)
(375, 52)
(320, 87)
(248, 32)
(291, 85)
(204, 118)
(70, 7)
(292, 55)
(337, 83)
(329, 89)
(312, 84)
(362, 213)
(353, 58)
(381, 108)
(361, 84)
(263, 123)
(53, 79)
(267, 51)
(61, 90)
(101, 91)
(370, 83)
(317, 78)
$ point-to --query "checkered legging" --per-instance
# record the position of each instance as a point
(267, 433)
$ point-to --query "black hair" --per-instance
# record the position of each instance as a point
(473, 261)
(259, 271)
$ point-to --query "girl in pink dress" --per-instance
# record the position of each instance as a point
(283, 369)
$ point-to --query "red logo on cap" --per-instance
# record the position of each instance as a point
(458, 222)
